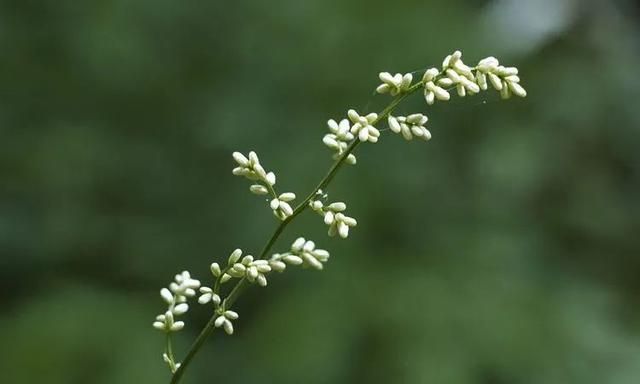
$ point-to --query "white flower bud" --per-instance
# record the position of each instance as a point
(228, 327)
(286, 208)
(247, 260)
(383, 88)
(226, 277)
(166, 295)
(430, 74)
(309, 246)
(262, 280)
(429, 96)
(240, 159)
(277, 265)
(287, 196)
(495, 81)
(406, 81)
(235, 256)
(462, 91)
(343, 230)
(253, 158)
(215, 269)
(274, 204)
(180, 309)
(481, 79)
(219, 320)
(258, 189)
(505, 92)
(271, 178)
(252, 273)
(337, 206)
(312, 261)
(517, 89)
(298, 244)
(292, 259)
(231, 315)
(178, 325)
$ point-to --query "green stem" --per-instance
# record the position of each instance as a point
(241, 284)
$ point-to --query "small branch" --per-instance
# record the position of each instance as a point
(241, 284)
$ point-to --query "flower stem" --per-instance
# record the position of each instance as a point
(241, 284)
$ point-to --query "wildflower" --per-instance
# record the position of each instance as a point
(280, 205)
(334, 217)
(395, 84)
(307, 254)
(224, 321)
(503, 79)
(431, 90)
(167, 323)
(339, 138)
(362, 126)
(207, 295)
(412, 125)
(176, 296)
(252, 169)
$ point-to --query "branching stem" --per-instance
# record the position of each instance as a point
(241, 284)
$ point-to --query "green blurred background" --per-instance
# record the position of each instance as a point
(506, 250)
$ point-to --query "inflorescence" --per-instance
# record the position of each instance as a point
(344, 135)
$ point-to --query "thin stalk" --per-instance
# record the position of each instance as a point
(241, 284)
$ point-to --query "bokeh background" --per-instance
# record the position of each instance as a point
(506, 250)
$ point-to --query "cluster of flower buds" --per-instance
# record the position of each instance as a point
(503, 79)
(457, 74)
(240, 267)
(363, 126)
(394, 84)
(303, 252)
(252, 169)
(432, 91)
(280, 205)
(409, 126)
(224, 320)
(339, 138)
(333, 216)
(173, 366)
(176, 296)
